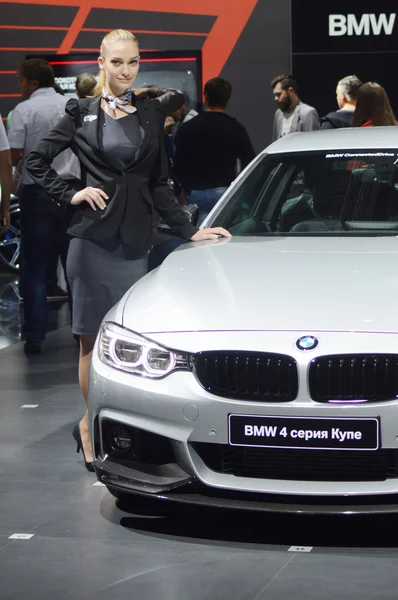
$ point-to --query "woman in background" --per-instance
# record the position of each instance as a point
(373, 107)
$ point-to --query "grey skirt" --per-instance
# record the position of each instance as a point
(98, 279)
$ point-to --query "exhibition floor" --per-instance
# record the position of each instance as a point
(81, 545)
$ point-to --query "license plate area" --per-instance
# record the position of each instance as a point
(311, 433)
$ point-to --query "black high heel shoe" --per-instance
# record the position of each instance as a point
(76, 434)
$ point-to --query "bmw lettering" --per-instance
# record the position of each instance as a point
(303, 432)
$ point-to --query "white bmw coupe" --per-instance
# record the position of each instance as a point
(261, 371)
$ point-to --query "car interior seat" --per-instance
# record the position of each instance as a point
(331, 201)
(376, 194)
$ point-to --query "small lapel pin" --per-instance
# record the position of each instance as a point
(90, 118)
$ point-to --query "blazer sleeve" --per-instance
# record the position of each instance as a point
(181, 156)
(38, 162)
(275, 128)
(326, 124)
(169, 99)
(162, 196)
(311, 121)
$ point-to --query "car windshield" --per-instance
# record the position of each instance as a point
(316, 193)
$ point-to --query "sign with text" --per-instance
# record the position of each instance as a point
(343, 38)
(311, 433)
(345, 26)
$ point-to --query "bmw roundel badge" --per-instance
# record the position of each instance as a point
(307, 342)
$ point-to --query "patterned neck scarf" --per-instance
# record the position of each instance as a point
(123, 103)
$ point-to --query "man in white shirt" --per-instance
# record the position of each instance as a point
(43, 222)
(5, 179)
(292, 115)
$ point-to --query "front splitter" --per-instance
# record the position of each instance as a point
(197, 494)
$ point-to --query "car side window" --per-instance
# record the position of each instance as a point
(242, 209)
(316, 193)
(297, 203)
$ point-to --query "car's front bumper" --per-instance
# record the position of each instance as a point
(197, 494)
(180, 411)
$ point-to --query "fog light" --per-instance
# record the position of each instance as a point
(120, 439)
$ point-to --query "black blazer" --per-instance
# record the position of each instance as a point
(133, 194)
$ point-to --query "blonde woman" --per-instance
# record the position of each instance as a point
(119, 142)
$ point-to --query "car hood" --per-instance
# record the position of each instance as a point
(298, 284)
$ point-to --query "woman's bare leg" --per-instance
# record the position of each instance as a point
(86, 349)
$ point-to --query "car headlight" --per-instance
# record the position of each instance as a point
(128, 351)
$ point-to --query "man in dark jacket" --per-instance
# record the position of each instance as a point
(211, 149)
(346, 95)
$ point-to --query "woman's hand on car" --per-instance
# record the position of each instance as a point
(94, 196)
(213, 233)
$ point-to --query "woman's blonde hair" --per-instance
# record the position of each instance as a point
(117, 35)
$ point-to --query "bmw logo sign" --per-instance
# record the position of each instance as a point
(307, 342)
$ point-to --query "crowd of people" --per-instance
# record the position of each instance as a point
(359, 105)
(96, 174)
(204, 153)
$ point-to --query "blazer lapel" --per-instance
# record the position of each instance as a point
(278, 124)
(90, 123)
(143, 118)
(296, 120)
